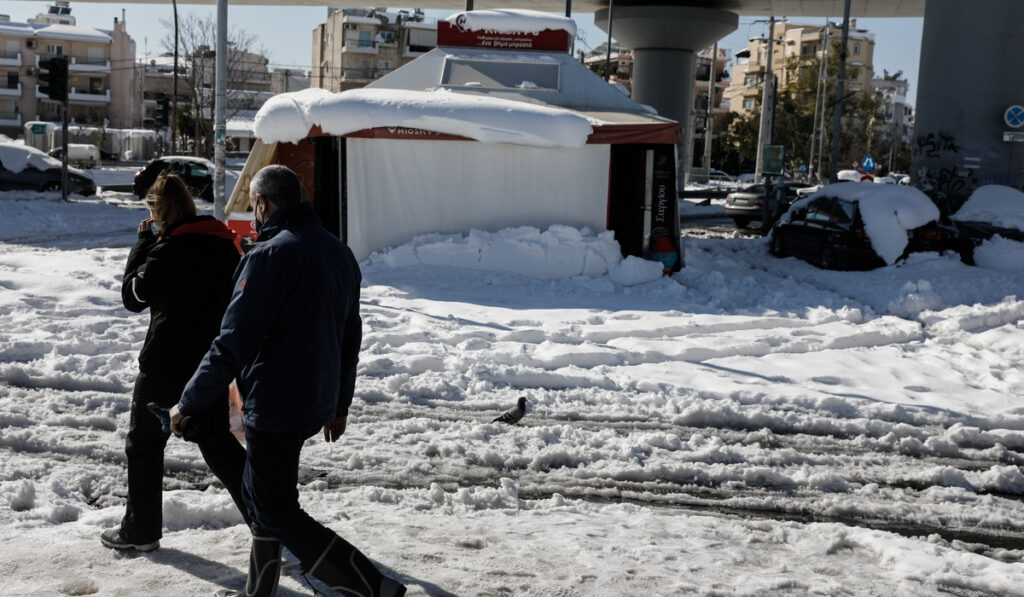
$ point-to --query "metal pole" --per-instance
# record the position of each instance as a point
(64, 142)
(174, 92)
(709, 117)
(469, 5)
(568, 8)
(823, 82)
(608, 55)
(837, 120)
(764, 132)
(815, 131)
(220, 109)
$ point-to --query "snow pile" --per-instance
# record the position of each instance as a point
(512, 21)
(995, 204)
(558, 252)
(888, 212)
(288, 117)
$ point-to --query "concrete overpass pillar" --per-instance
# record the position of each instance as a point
(972, 70)
(665, 42)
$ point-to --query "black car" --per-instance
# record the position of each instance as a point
(747, 204)
(197, 174)
(40, 172)
(829, 232)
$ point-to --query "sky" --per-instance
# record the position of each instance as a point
(747, 426)
(286, 33)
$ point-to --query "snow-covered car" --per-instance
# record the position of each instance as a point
(991, 211)
(860, 226)
(196, 173)
(747, 204)
(26, 168)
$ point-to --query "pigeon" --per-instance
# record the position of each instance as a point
(512, 415)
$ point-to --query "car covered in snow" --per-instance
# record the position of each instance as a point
(991, 212)
(26, 168)
(861, 226)
(196, 173)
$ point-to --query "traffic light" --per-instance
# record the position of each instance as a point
(163, 111)
(53, 78)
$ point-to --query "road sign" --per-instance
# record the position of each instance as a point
(802, 169)
(1013, 136)
(773, 159)
(868, 163)
(38, 129)
(1014, 117)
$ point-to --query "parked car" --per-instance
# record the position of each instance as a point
(196, 173)
(991, 210)
(27, 168)
(747, 204)
(861, 226)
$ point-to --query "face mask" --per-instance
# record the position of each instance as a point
(258, 218)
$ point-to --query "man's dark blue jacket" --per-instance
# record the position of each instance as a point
(292, 331)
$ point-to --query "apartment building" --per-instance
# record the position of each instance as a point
(358, 45)
(793, 40)
(896, 113)
(101, 77)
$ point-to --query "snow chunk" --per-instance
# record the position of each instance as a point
(557, 253)
(633, 271)
(288, 117)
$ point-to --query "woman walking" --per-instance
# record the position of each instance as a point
(183, 275)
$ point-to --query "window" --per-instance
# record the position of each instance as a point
(12, 80)
(364, 39)
(95, 85)
(856, 49)
(495, 74)
(750, 80)
(748, 103)
(54, 50)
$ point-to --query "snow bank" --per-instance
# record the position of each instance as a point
(288, 117)
(888, 212)
(556, 253)
(511, 21)
(995, 204)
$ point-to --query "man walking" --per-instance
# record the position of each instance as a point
(291, 337)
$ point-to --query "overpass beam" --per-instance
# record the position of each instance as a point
(970, 74)
(665, 41)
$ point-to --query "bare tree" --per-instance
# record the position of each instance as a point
(246, 71)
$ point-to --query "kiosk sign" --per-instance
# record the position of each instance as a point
(773, 159)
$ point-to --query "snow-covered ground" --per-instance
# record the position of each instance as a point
(750, 426)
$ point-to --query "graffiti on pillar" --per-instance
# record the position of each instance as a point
(933, 145)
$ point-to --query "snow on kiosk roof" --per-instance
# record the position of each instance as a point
(497, 127)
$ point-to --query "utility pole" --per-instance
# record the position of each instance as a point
(815, 129)
(220, 110)
(837, 120)
(174, 86)
(709, 117)
(764, 134)
(823, 82)
(608, 54)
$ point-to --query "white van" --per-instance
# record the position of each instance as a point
(84, 154)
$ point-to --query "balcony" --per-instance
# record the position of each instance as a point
(357, 47)
(357, 74)
(10, 119)
(6, 91)
(10, 58)
(89, 65)
(86, 96)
